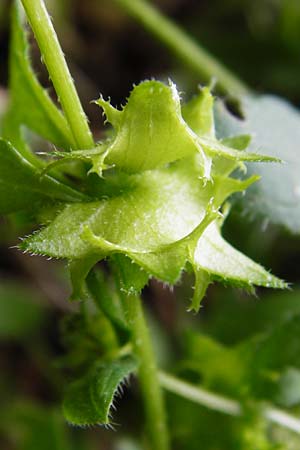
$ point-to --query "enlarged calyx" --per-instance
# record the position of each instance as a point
(162, 180)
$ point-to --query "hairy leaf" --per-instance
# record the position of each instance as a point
(217, 257)
(88, 400)
(274, 125)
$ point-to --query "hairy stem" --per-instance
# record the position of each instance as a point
(156, 429)
(223, 404)
(59, 72)
(190, 52)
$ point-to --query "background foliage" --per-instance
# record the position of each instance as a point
(240, 346)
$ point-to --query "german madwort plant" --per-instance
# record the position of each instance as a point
(148, 202)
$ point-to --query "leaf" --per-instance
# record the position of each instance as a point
(274, 125)
(220, 368)
(88, 400)
(285, 336)
(22, 186)
(268, 356)
(214, 255)
(30, 104)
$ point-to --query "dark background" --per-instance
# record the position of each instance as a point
(259, 40)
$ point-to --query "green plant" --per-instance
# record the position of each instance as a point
(150, 199)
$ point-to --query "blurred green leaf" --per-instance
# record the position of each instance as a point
(265, 366)
(221, 368)
(235, 316)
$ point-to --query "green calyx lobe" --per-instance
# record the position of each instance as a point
(161, 204)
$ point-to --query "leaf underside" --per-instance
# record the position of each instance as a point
(274, 125)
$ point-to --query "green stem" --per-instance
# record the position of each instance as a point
(59, 72)
(190, 52)
(148, 375)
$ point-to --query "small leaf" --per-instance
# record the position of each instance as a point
(88, 400)
(21, 184)
(202, 281)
